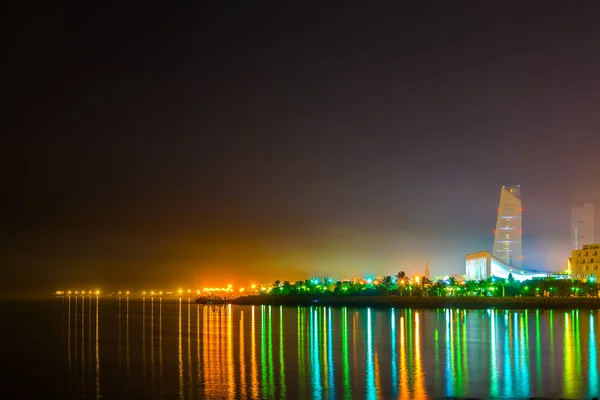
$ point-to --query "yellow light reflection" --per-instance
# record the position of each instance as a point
(144, 372)
(127, 354)
(75, 329)
(243, 394)
(189, 352)
(230, 371)
(403, 389)
(98, 395)
(205, 348)
(568, 381)
(83, 374)
(160, 350)
(119, 347)
(420, 389)
(69, 340)
(152, 379)
(179, 356)
(253, 370)
(378, 389)
(198, 364)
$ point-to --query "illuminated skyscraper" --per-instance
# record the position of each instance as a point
(582, 225)
(507, 239)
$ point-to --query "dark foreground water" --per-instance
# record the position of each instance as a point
(113, 349)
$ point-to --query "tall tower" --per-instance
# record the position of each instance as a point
(582, 225)
(507, 236)
(426, 274)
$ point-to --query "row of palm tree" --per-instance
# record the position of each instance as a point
(450, 286)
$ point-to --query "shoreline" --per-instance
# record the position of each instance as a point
(418, 302)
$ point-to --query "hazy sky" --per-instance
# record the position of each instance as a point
(210, 145)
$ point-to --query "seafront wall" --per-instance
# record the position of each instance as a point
(423, 302)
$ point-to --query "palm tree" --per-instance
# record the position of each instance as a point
(481, 286)
(471, 287)
(276, 284)
(386, 281)
(425, 285)
(287, 287)
(440, 288)
(401, 276)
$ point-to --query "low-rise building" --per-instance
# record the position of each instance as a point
(584, 262)
(483, 265)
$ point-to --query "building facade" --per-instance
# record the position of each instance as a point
(582, 226)
(507, 236)
(584, 262)
(483, 265)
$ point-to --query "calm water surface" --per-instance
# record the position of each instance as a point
(111, 349)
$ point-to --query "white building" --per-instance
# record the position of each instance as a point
(483, 265)
(507, 236)
(582, 225)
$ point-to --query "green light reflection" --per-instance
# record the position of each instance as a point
(301, 351)
(331, 393)
(263, 352)
(538, 350)
(271, 388)
(370, 389)
(449, 356)
(494, 388)
(314, 355)
(592, 360)
(524, 357)
(507, 373)
(346, 364)
(394, 355)
(281, 357)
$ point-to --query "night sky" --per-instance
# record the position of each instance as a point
(204, 145)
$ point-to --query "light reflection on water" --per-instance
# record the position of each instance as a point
(184, 350)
